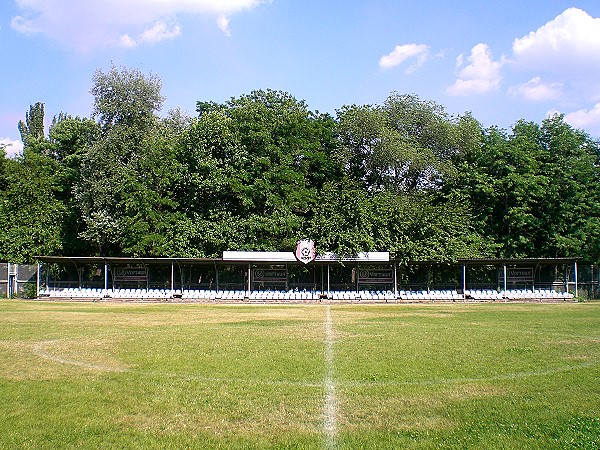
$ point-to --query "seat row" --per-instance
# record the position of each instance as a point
(517, 294)
(524, 294)
(282, 295)
(419, 296)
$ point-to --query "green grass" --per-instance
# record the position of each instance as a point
(511, 376)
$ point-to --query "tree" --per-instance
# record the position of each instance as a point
(403, 145)
(535, 191)
(350, 219)
(31, 217)
(254, 168)
(572, 217)
(2, 167)
(126, 97)
(32, 130)
(69, 139)
(126, 190)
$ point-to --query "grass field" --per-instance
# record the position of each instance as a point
(491, 376)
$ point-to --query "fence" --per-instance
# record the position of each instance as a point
(18, 280)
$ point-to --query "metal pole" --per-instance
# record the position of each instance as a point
(105, 279)
(504, 284)
(328, 280)
(396, 280)
(322, 279)
(8, 280)
(249, 274)
(37, 281)
(576, 289)
(172, 278)
(217, 277)
(464, 280)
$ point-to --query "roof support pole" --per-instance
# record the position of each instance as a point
(248, 285)
(575, 274)
(504, 281)
(217, 277)
(105, 293)
(464, 281)
(38, 278)
(328, 294)
(9, 280)
(172, 279)
(396, 281)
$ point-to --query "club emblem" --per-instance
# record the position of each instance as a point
(305, 251)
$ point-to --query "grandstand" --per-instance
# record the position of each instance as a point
(263, 277)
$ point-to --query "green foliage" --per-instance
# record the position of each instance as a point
(261, 171)
(69, 136)
(128, 173)
(29, 291)
(405, 145)
(31, 216)
(32, 130)
(536, 191)
(2, 167)
(126, 97)
(126, 191)
(412, 226)
(254, 167)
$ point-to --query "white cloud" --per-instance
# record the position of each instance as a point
(160, 31)
(89, 24)
(404, 52)
(588, 119)
(536, 90)
(568, 44)
(13, 148)
(23, 25)
(480, 76)
(223, 23)
(127, 41)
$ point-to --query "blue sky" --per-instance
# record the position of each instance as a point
(501, 60)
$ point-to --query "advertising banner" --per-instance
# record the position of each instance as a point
(370, 276)
(130, 274)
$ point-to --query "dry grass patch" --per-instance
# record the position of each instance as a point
(85, 353)
(224, 409)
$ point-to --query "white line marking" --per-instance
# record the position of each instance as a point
(330, 407)
(38, 350)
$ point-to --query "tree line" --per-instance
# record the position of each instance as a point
(260, 171)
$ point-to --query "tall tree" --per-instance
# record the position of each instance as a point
(2, 167)
(406, 144)
(254, 167)
(69, 139)
(125, 192)
(126, 97)
(31, 217)
(535, 191)
(572, 216)
(32, 130)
